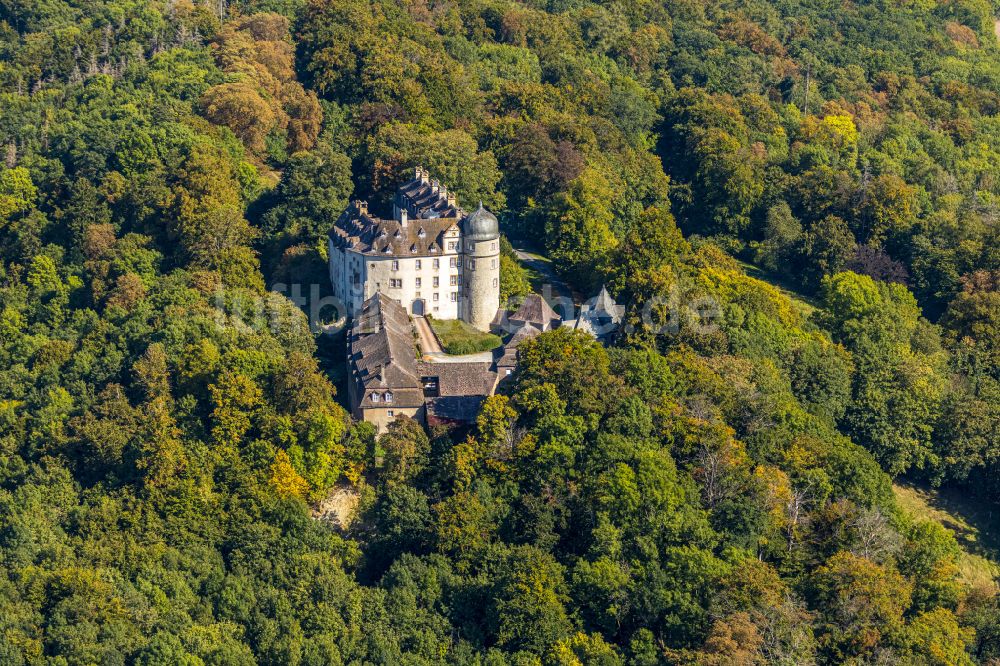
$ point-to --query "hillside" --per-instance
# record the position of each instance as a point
(973, 524)
(796, 201)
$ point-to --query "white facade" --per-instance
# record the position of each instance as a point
(424, 285)
(422, 258)
(481, 290)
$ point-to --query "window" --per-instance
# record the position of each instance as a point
(375, 397)
(437, 263)
(417, 295)
(453, 262)
(435, 299)
(453, 280)
(388, 396)
(418, 264)
(391, 413)
(417, 283)
(395, 283)
(493, 263)
(395, 265)
(495, 284)
(493, 246)
(437, 281)
(452, 245)
(508, 371)
(472, 264)
(454, 296)
(436, 308)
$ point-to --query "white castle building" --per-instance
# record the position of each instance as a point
(432, 257)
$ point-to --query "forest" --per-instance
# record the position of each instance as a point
(714, 488)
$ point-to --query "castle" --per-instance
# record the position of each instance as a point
(432, 257)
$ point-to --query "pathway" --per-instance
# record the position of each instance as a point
(554, 288)
(425, 336)
(430, 347)
(442, 357)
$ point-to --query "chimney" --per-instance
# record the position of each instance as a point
(443, 193)
(418, 173)
(423, 175)
(451, 199)
(362, 207)
(435, 186)
(402, 217)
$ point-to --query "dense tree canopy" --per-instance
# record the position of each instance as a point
(713, 487)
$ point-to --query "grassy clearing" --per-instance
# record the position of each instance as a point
(803, 304)
(458, 338)
(974, 524)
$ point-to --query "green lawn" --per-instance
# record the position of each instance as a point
(974, 525)
(457, 337)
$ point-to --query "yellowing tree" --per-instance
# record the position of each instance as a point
(285, 480)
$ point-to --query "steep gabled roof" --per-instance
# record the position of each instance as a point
(357, 230)
(426, 199)
(534, 310)
(383, 352)
(603, 306)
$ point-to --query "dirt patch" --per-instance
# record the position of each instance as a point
(339, 508)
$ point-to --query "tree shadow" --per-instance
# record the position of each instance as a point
(975, 522)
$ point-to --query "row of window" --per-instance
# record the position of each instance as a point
(453, 296)
(453, 281)
(453, 245)
(452, 262)
(380, 397)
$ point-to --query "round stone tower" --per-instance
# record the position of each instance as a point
(481, 247)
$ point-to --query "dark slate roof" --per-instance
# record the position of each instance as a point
(603, 306)
(431, 211)
(481, 225)
(361, 232)
(383, 354)
(461, 379)
(462, 409)
(599, 316)
(383, 360)
(534, 310)
(425, 199)
(509, 357)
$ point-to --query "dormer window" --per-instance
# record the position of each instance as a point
(376, 397)
(421, 233)
(388, 396)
